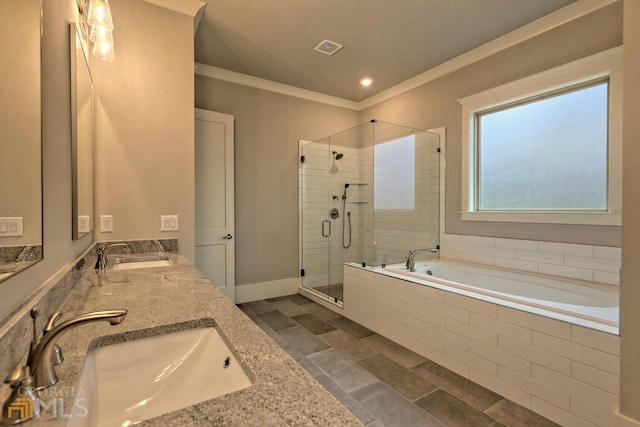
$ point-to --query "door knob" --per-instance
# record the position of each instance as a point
(228, 236)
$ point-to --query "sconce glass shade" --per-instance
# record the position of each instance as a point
(98, 32)
(103, 47)
(100, 14)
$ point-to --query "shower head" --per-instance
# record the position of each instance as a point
(337, 155)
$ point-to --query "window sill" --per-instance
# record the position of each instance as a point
(548, 217)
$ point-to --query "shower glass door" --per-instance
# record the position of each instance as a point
(316, 227)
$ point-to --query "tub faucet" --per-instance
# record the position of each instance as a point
(101, 264)
(41, 360)
(410, 265)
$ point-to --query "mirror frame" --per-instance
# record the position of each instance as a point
(82, 134)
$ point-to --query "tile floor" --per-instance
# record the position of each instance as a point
(382, 383)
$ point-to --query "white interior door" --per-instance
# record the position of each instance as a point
(215, 249)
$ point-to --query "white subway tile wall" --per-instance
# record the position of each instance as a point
(399, 230)
(584, 262)
(565, 372)
(323, 256)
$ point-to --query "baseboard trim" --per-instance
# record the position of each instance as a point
(264, 290)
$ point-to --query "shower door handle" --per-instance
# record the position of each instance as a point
(326, 234)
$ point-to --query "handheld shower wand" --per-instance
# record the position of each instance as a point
(348, 217)
(344, 195)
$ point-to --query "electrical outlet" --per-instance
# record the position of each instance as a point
(169, 223)
(106, 223)
(84, 223)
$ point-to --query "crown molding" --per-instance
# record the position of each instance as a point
(192, 8)
(546, 23)
(258, 83)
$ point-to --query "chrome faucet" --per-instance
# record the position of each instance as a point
(410, 265)
(41, 357)
(101, 264)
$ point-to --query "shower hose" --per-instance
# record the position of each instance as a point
(344, 220)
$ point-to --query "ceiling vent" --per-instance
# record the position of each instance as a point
(328, 47)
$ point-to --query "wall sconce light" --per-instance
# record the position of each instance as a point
(101, 34)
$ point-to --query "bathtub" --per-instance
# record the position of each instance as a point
(563, 299)
(542, 341)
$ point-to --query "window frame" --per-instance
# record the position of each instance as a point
(603, 65)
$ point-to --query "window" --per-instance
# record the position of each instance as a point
(546, 148)
(394, 170)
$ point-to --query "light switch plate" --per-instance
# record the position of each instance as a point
(169, 223)
(10, 226)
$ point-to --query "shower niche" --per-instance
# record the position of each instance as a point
(367, 195)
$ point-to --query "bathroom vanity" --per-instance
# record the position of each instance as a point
(168, 299)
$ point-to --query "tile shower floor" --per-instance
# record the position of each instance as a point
(382, 383)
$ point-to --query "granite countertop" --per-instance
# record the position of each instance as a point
(162, 299)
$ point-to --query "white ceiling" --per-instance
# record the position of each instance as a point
(387, 41)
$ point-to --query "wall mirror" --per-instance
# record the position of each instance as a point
(20, 136)
(82, 141)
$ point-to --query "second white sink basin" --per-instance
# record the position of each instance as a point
(129, 382)
(141, 262)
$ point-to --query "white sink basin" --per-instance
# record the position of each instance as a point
(133, 381)
(132, 265)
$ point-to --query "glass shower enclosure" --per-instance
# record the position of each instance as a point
(368, 195)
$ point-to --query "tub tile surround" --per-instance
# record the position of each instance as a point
(159, 300)
(565, 372)
(599, 264)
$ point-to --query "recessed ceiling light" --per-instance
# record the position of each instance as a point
(366, 82)
(328, 47)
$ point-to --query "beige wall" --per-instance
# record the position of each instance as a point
(20, 179)
(267, 129)
(59, 249)
(435, 104)
(145, 125)
(630, 289)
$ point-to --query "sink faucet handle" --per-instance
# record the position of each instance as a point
(56, 355)
(51, 323)
(21, 405)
